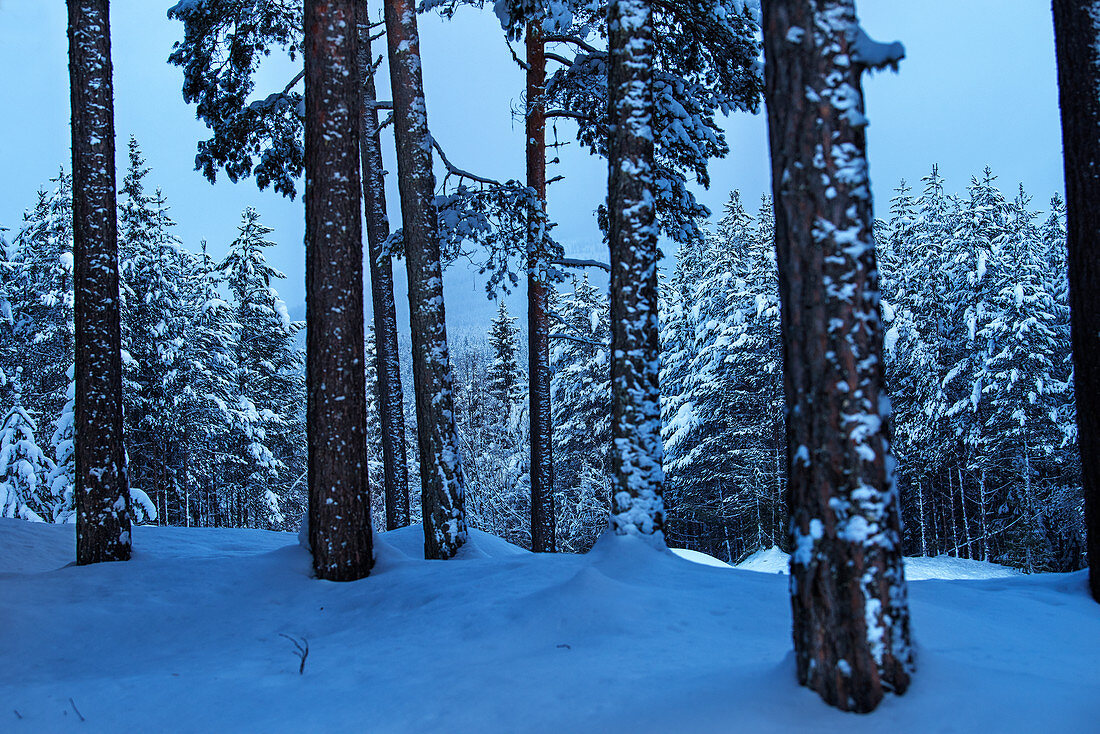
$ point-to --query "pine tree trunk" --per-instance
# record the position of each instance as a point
(1077, 35)
(441, 478)
(339, 495)
(388, 366)
(636, 473)
(848, 593)
(102, 490)
(538, 303)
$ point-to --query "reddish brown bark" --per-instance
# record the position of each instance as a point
(538, 303)
(336, 410)
(102, 491)
(848, 594)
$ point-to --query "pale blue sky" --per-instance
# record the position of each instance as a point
(977, 88)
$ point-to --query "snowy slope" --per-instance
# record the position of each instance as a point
(946, 568)
(626, 639)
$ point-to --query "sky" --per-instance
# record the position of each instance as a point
(977, 88)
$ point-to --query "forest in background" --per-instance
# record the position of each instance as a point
(978, 366)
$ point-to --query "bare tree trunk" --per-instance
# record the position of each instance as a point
(538, 303)
(637, 477)
(848, 593)
(339, 494)
(441, 477)
(390, 398)
(102, 489)
(1076, 35)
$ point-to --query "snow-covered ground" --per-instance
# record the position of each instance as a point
(186, 637)
(944, 568)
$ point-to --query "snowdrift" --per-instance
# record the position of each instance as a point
(187, 637)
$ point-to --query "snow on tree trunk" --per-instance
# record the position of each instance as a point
(102, 494)
(848, 593)
(390, 397)
(538, 308)
(339, 496)
(1077, 46)
(441, 476)
(637, 476)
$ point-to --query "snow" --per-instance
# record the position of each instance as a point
(697, 557)
(187, 637)
(943, 568)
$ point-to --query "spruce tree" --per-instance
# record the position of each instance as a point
(24, 467)
(582, 414)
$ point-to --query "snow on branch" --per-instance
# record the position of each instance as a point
(569, 262)
(876, 55)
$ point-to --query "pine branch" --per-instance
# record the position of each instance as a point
(569, 262)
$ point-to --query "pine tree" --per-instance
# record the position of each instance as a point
(442, 483)
(102, 494)
(388, 370)
(1078, 57)
(636, 473)
(339, 494)
(848, 593)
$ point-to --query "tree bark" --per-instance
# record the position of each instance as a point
(102, 489)
(1076, 34)
(388, 366)
(538, 303)
(637, 476)
(848, 593)
(441, 477)
(339, 495)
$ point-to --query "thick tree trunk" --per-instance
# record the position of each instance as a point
(636, 473)
(538, 303)
(102, 490)
(390, 398)
(441, 478)
(848, 594)
(339, 495)
(1076, 34)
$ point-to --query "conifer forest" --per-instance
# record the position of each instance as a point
(737, 460)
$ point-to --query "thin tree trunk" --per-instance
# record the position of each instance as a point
(920, 516)
(339, 493)
(538, 306)
(984, 516)
(848, 593)
(390, 397)
(1077, 46)
(102, 489)
(966, 516)
(441, 478)
(951, 508)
